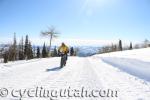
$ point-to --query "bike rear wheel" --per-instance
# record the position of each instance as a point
(63, 61)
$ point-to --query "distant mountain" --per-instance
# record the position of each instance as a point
(84, 51)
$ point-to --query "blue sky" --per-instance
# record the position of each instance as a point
(84, 19)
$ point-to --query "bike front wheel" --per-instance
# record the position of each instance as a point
(63, 61)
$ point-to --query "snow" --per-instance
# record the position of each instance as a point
(132, 66)
(125, 73)
(139, 54)
(135, 62)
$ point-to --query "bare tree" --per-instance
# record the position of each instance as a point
(51, 33)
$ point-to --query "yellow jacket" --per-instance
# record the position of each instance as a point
(63, 49)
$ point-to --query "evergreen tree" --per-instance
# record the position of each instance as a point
(30, 52)
(115, 47)
(55, 53)
(26, 47)
(130, 46)
(71, 51)
(15, 48)
(21, 50)
(76, 51)
(112, 48)
(146, 43)
(34, 52)
(44, 51)
(120, 45)
(38, 52)
(12, 55)
(5, 56)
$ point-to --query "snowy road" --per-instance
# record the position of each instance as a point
(92, 73)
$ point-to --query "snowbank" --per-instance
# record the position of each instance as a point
(135, 62)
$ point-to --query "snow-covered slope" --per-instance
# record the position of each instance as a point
(99, 77)
(135, 62)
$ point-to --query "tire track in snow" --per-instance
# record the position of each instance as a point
(77, 74)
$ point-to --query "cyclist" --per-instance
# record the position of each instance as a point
(63, 50)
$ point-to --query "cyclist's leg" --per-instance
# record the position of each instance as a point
(66, 57)
(61, 62)
(65, 60)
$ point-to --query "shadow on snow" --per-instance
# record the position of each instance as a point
(53, 69)
(134, 67)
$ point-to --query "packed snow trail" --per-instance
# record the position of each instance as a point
(91, 73)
